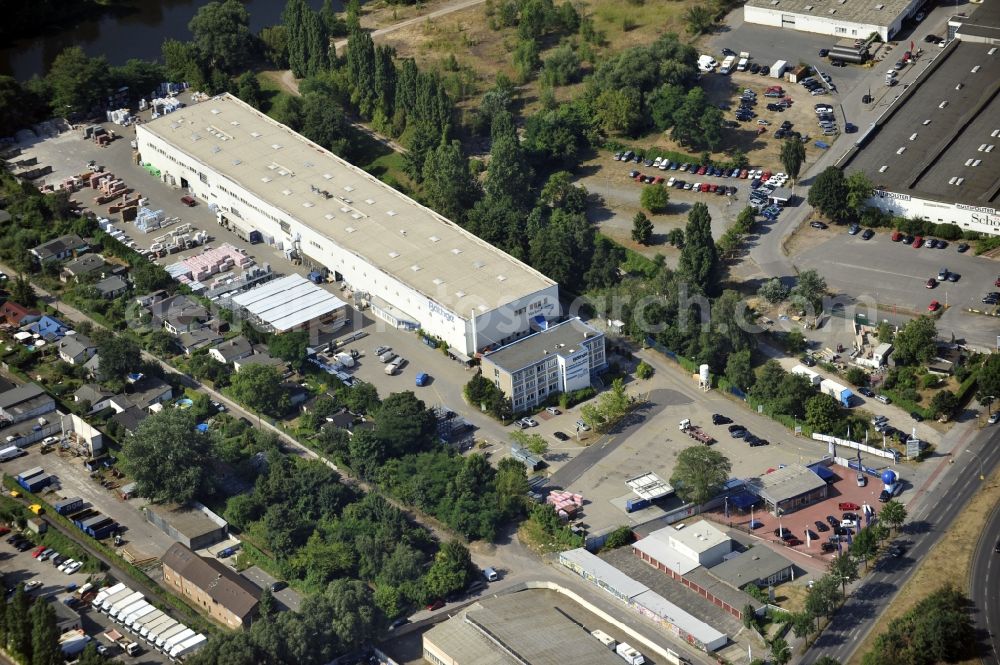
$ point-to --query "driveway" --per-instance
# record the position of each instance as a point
(289, 598)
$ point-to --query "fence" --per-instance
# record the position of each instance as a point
(878, 452)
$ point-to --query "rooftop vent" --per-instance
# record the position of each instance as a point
(901, 150)
(276, 146)
(256, 135)
(995, 133)
(348, 188)
(927, 122)
(195, 137)
(883, 168)
(237, 162)
(356, 215)
(974, 69)
(977, 162)
(958, 86)
(327, 176)
(308, 204)
(459, 294)
(913, 136)
(434, 239)
(989, 148)
(415, 268)
(482, 308)
(992, 51)
(943, 104)
(402, 232)
(951, 180)
(215, 111)
(391, 213)
(501, 278)
(370, 201)
(478, 265)
(774, 3)
(879, 7)
(265, 179)
(328, 216)
(216, 148)
(968, 162)
(456, 251)
(350, 229)
(437, 281)
(344, 209)
(393, 255)
(234, 123)
(959, 181)
(832, 11)
(286, 192)
(809, 8)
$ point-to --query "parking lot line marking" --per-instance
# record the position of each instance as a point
(883, 272)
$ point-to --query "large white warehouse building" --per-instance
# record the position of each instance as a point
(841, 18)
(417, 268)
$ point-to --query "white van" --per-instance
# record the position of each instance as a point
(490, 574)
(11, 452)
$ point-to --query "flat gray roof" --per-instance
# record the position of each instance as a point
(944, 124)
(288, 302)
(525, 623)
(854, 11)
(363, 215)
(757, 563)
(786, 483)
(560, 339)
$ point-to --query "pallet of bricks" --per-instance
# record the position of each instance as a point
(567, 504)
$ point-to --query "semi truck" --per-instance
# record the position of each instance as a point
(162, 637)
(147, 620)
(840, 393)
(114, 608)
(153, 633)
(630, 655)
(111, 599)
(175, 639)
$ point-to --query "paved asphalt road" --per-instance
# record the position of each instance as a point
(929, 518)
(985, 588)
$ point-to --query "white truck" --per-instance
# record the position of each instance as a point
(727, 65)
(153, 634)
(604, 639)
(137, 615)
(175, 639)
(153, 625)
(165, 635)
(630, 655)
(113, 598)
(188, 646)
(119, 605)
(675, 658)
(146, 620)
(741, 66)
(395, 365)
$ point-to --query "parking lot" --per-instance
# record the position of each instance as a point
(20, 567)
(895, 276)
(142, 538)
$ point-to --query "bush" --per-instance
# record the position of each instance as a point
(655, 199)
(857, 376)
(619, 538)
(644, 370)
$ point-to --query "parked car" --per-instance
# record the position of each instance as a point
(867, 392)
(782, 532)
(189, 201)
(583, 426)
(719, 419)
(560, 436)
(820, 526)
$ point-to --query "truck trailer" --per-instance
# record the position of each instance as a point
(120, 610)
(175, 639)
(188, 646)
(840, 393)
(151, 633)
(603, 637)
(104, 593)
(111, 599)
(138, 614)
(630, 655)
(147, 620)
(125, 612)
(162, 637)
(114, 608)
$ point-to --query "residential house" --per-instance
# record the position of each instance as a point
(111, 287)
(60, 248)
(98, 398)
(144, 393)
(25, 403)
(130, 418)
(178, 314)
(211, 585)
(260, 359)
(18, 315)
(236, 348)
(93, 367)
(76, 349)
(82, 268)
(49, 328)
(198, 339)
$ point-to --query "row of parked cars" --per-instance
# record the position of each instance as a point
(22, 544)
(739, 431)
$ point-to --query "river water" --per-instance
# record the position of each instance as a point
(120, 35)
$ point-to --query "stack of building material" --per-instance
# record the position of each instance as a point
(164, 105)
(567, 504)
(147, 220)
(95, 179)
(217, 260)
(120, 116)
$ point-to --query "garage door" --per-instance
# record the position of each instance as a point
(787, 20)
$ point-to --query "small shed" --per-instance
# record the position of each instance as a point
(38, 525)
(781, 196)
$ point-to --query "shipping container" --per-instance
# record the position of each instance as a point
(632, 505)
(36, 483)
(29, 473)
(104, 531)
(68, 506)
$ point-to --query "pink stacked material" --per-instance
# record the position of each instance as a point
(566, 504)
(217, 260)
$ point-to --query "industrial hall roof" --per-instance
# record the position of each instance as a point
(355, 210)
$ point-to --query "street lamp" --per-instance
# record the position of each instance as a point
(982, 476)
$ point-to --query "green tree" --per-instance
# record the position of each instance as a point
(509, 174)
(698, 259)
(78, 82)
(89, 656)
(562, 67)
(822, 413)
(323, 122)
(451, 571)
(829, 194)
(739, 370)
(560, 192)
(655, 199)
(148, 276)
(802, 624)
(642, 228)
(44, 635)
(676, 237)
(448, 182)
(885, 333)
(793, 155)
(664, 102)
(773, 291)
(699, 474)
(526, 60)
(915, 343)
(274, 40)
(643, 370)
(824, 597)
(259, 388)
(512, 487)
(859, 190)
(944, 403)
(610, 407)
(893, 514)
(22, 292)
(844, 569)
(826, 660)
(535, 443)
(781, 653)
(291, 346)
(404, 424)
(865, 545)
(857, 376)
(168, 458)
(810, 287)
(699, 19)
(248, 89)
(118, 356)
(988, 380)
(619, 111)
(19, 624)
(221, 33)
(362, 398)
(749, 616)
(288, 111)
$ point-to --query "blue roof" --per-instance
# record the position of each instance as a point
(743, 500)
(202, 427)
(823, 472)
